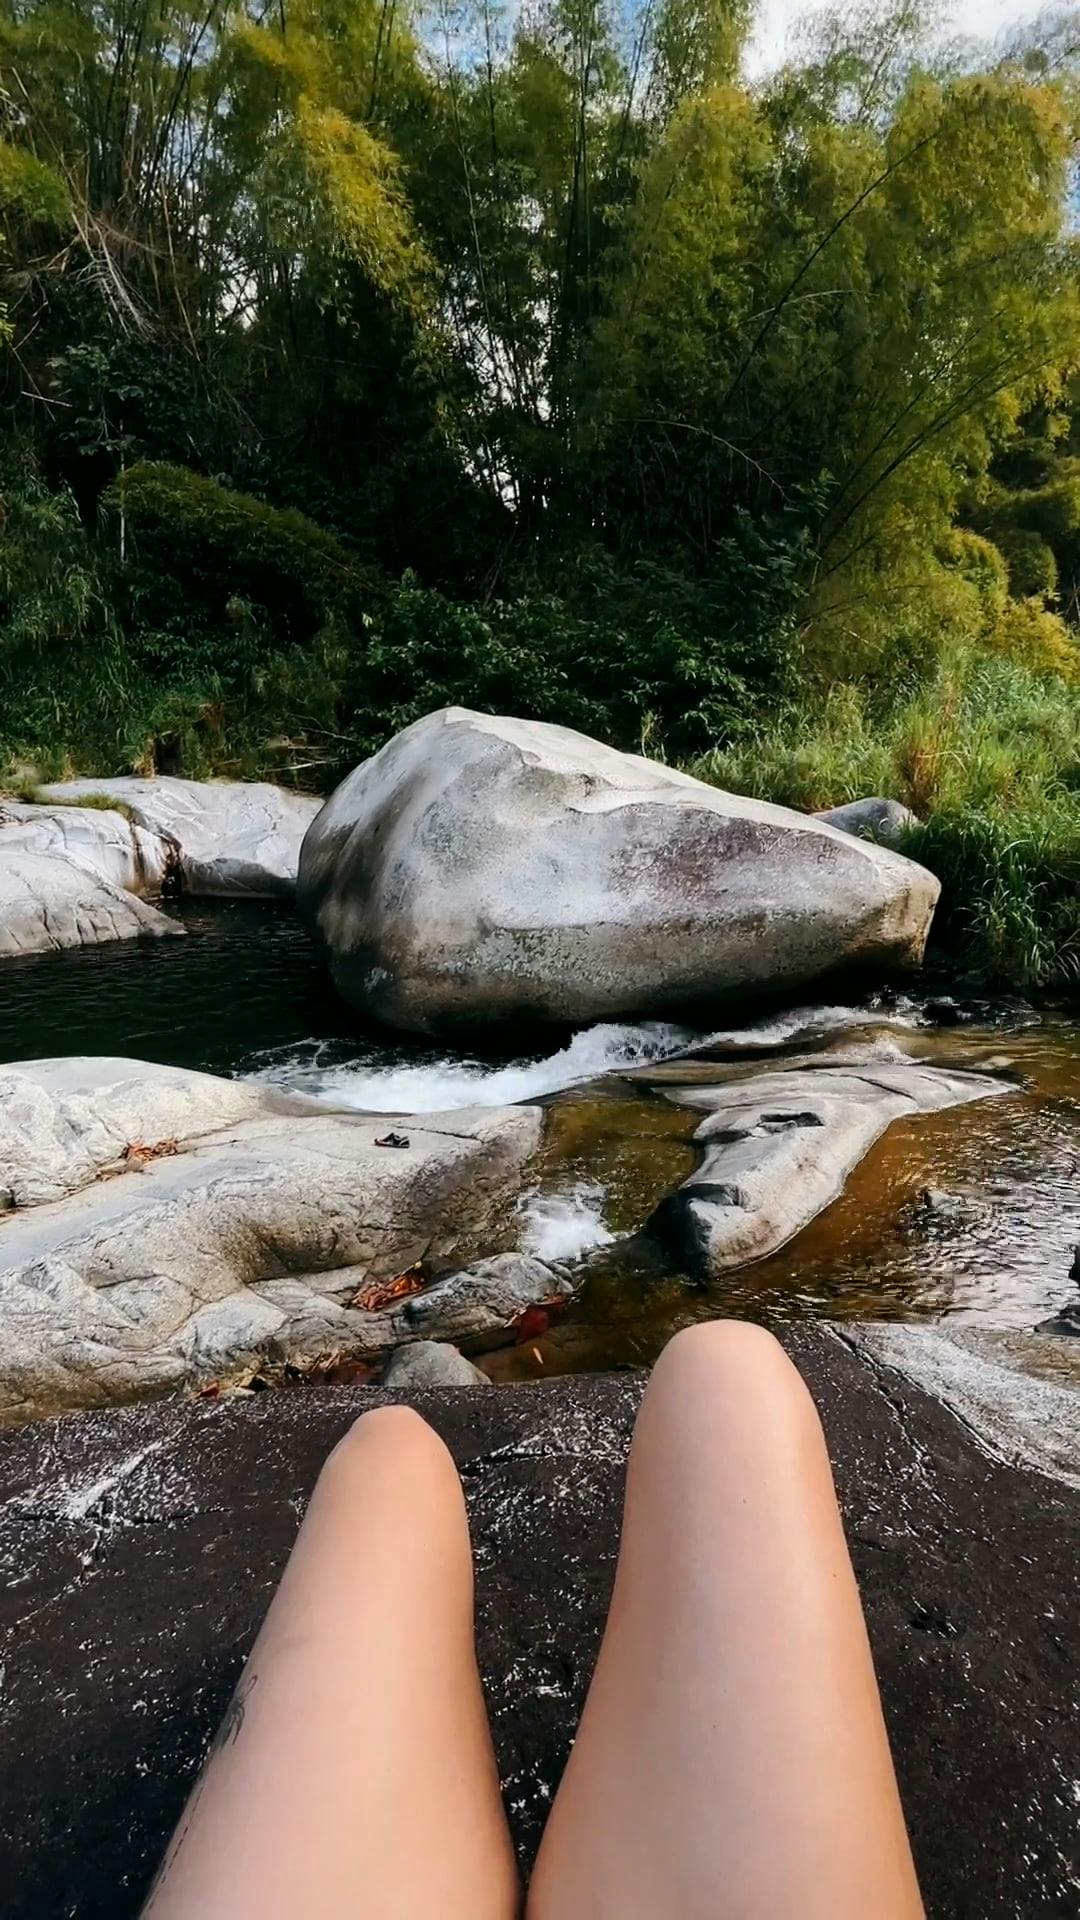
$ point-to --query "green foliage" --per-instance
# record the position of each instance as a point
(355, 360)
(237, 552)
(989, 757)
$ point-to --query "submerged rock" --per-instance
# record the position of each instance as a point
(429, 1364)
(482, 868)
(225, 836)
(485, 1298)
(1064, 1324)
(778, 1147)
(75, 877)
(212, 1250)
(874, 819)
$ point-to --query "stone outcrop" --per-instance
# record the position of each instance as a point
(479, 869)
(777, 1147)
(430, 1364)
(484, 1298)
(75, 874)
(148, 1542)
(875, 819)
(75, 877)
(240, 1227)
(225, 836)
(63, 1122)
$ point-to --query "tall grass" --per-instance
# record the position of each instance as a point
(988, 756)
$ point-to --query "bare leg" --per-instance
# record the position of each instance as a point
(732, 1761)
(354, 1773)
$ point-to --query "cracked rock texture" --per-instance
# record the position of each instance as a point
(227, 836)
(74, 877)
(778, 1146)
(482, 868)
(147, 1542)
(245, 1241)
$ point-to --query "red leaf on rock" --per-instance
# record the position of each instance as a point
(531, 1324)
(535, 1321)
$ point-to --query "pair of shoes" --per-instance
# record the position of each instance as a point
(393, 1140)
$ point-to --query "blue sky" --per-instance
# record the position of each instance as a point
(983, 19)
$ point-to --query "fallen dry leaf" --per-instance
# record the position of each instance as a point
(141, 1151)
(380, 1293)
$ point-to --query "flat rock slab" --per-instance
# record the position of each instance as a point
(206, 1226)
(226, 836)
(142, 1547)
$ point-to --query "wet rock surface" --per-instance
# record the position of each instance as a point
(777, 1147)
(483, 1298)
(482, 868)
(141, 1548)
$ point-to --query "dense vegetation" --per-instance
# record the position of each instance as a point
(359, 357)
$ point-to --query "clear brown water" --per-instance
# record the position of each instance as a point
(243, 993)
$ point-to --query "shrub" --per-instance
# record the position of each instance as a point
(989, 756)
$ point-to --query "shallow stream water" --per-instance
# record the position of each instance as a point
(243, 994)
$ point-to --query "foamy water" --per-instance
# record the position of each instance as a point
(439, 1083)
(373, 1085)
(566, 1224)
(795, 1024)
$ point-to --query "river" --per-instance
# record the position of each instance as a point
(994, 1242)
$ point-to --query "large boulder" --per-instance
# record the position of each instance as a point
(479, 869)
(260, 1230)
(65, 1122)
(224, 836)
(75, 876)
(777, 1147)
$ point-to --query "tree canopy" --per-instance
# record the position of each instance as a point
(343, 332)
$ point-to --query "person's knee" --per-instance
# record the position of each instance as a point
(394, 1439)
(735, 1371)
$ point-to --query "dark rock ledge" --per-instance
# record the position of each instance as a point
(140, 1548)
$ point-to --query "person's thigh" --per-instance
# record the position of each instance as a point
(353, 1774)
(732, 1757)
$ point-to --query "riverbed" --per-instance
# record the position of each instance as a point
(973, 1212)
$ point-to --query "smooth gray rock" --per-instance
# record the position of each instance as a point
(63, 1121)
(874, 819)
(430, 1364)
(484, 1298)
(225, 836)
(482, 868)
(778, 1147)
(75, 876)
(247, 1245)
